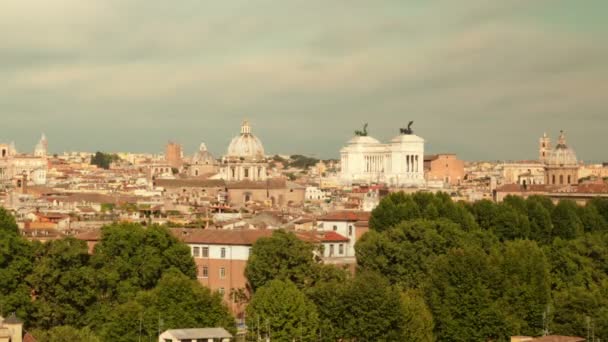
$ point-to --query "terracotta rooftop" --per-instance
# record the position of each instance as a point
(245, 237)
(349, 216)
(190, 183)
(321, 236)
(274, 183)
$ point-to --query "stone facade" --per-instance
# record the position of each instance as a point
(399, 163)
(444, 167)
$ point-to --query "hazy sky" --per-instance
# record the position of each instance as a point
(481, 78)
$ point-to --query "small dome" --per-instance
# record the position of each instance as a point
(562, 155)
(246, 145)
(203, 156)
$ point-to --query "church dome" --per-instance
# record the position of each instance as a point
(246, 145)
(562, 155)
(203, 156)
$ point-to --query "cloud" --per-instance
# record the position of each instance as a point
(161, 69)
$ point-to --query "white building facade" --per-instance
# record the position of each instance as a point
(398, 163)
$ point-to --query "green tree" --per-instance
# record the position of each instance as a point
(17, 257)
(65, 333)
(374, 310)
(103, 160)
(511, 224)
(418, 319)
(525, 289)
(392, 210)
(601, 204)
(566, 223)
(328, 297)
(485, 212)
(404, 253)
(7, 223)
(461, 294)
(580, 309)
(176, 302)
(541, 227)
(63, 284)
(281, 312)
(281, 256)
(130, 258)
(591, 218)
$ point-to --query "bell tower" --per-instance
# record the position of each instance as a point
(544, 147)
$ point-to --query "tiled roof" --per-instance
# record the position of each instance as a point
(321, 236)
(29, 338)
(245, 237)
(190, 183)
(349, 216)
(89, 235)
(274, 183)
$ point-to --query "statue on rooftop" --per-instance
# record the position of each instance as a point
(362, 133)
(407, 130)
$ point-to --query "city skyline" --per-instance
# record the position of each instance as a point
(483, 80)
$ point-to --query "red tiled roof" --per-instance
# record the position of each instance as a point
(90, 235)
(29, 338)
(245, 237)
(334, 237)
(190, 183)
(349, 216)
(273, 183)
(321, 236)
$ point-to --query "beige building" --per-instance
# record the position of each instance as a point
(202, 163)
(444, 167)
(274, 192)
(11, 329)
(523, 172)
(14, 165)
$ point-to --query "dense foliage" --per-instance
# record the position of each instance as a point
(137, 281)
(103, 160)
(489, 271)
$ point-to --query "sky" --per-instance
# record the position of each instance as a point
(480, 78)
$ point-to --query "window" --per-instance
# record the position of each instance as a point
(221, 291)
(196, 252)
(205, 272)
(569, 180)
(350, 230)
(205, 252)
(223, 253)
(331, 250)
(222, 273)
(341, 249)
(561, 179)
(246, 172)
(553, 182)
(335, 228)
